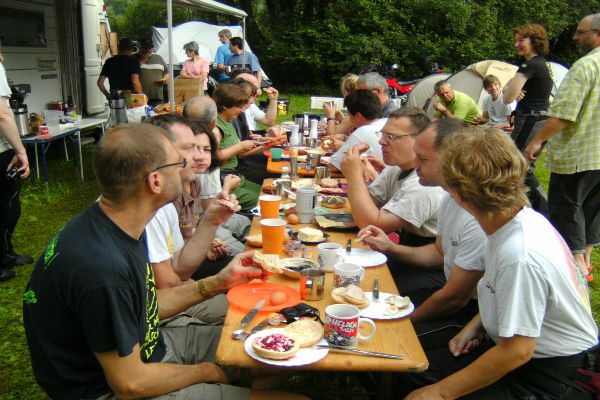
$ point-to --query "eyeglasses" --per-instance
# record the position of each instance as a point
(182, 163)
(391, 137)
(580, 32)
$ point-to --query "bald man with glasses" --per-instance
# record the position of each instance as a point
(395, 201)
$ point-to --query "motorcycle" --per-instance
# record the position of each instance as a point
(399, 89)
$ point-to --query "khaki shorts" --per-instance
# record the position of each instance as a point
(209, 312)
(194, 344)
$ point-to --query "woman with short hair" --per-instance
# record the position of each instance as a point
(531, 87)
(534, 327)
(231, 100)
(196, 66)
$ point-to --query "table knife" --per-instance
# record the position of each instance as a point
(349, 246)
(248, 317)
(260, 326)
(363, 352)
(376, 289)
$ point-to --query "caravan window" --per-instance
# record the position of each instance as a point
(22, 28)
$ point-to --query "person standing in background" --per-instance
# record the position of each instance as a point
(197, 66)
(122, 71)
(531, 86)
(223, 54)
(573, 152)
(154, 73)
(12, 154)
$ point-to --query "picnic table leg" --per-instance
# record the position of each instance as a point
(37, 163)
(65, 146)
(45, 171)
(77, 150)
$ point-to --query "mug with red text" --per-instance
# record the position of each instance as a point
(341, 325)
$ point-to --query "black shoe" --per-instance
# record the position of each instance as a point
(7, 274)
(21, 259)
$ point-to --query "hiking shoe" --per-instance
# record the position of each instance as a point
(7, 274)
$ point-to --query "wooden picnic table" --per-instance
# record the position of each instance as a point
(276, 167)
(395, 336)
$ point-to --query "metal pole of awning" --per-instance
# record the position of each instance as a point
(245, 58)
(170, 41)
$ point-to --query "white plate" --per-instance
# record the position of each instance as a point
(304, 356)
(376, 308)
(363, 257)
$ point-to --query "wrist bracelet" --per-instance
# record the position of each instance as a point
(330, 119)
(202, 289)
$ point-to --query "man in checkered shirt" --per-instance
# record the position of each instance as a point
(573, 151)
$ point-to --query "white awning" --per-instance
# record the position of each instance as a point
(210, 5)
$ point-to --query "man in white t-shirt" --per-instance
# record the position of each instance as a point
(364, 111)
(395, 200)
(495, 112)
(255, 115)
(442, 277)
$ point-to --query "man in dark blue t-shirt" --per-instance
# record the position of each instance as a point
(122, 70)
(91, 309)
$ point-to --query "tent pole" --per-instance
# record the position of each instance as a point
(170, 41)
(245, 58)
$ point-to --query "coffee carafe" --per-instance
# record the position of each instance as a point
(19, 108)
(118, 110)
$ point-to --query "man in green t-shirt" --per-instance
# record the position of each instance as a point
(454, 104)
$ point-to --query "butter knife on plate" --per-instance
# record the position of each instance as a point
(362, 352)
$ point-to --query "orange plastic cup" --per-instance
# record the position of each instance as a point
(273, 230)
(269, 206)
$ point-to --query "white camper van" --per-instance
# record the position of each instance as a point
(56, 48)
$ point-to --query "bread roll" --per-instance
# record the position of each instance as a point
(275, 346)
(306, 331)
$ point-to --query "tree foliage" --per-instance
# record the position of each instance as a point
(312, 43)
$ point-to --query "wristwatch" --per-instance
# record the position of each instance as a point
(202, 289)
(330, 119)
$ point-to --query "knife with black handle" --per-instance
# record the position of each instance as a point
(376, 289)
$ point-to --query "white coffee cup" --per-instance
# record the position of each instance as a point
(306, 199)
(345, 274)
(329, 254)
(295, 136)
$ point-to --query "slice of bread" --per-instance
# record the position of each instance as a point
(265, 262)
(329, 182)
(275, 346)
(354, 295)
(306, 331)
(255, 240)
(337, 295)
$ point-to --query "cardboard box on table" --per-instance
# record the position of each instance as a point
(185, 89)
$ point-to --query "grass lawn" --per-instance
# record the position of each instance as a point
(42, 218)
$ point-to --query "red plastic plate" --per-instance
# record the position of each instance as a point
(246, 296)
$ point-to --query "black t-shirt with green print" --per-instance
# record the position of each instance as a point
(91, 291)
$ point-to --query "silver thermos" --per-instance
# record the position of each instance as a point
(118, 110)
(22, 119)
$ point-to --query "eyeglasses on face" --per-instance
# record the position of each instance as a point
(580, 32)
(392, 137)
(182, 163)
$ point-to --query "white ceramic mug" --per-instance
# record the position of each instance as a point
(342, 323)
(345, 274)
(329, 254)
(306, 199)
